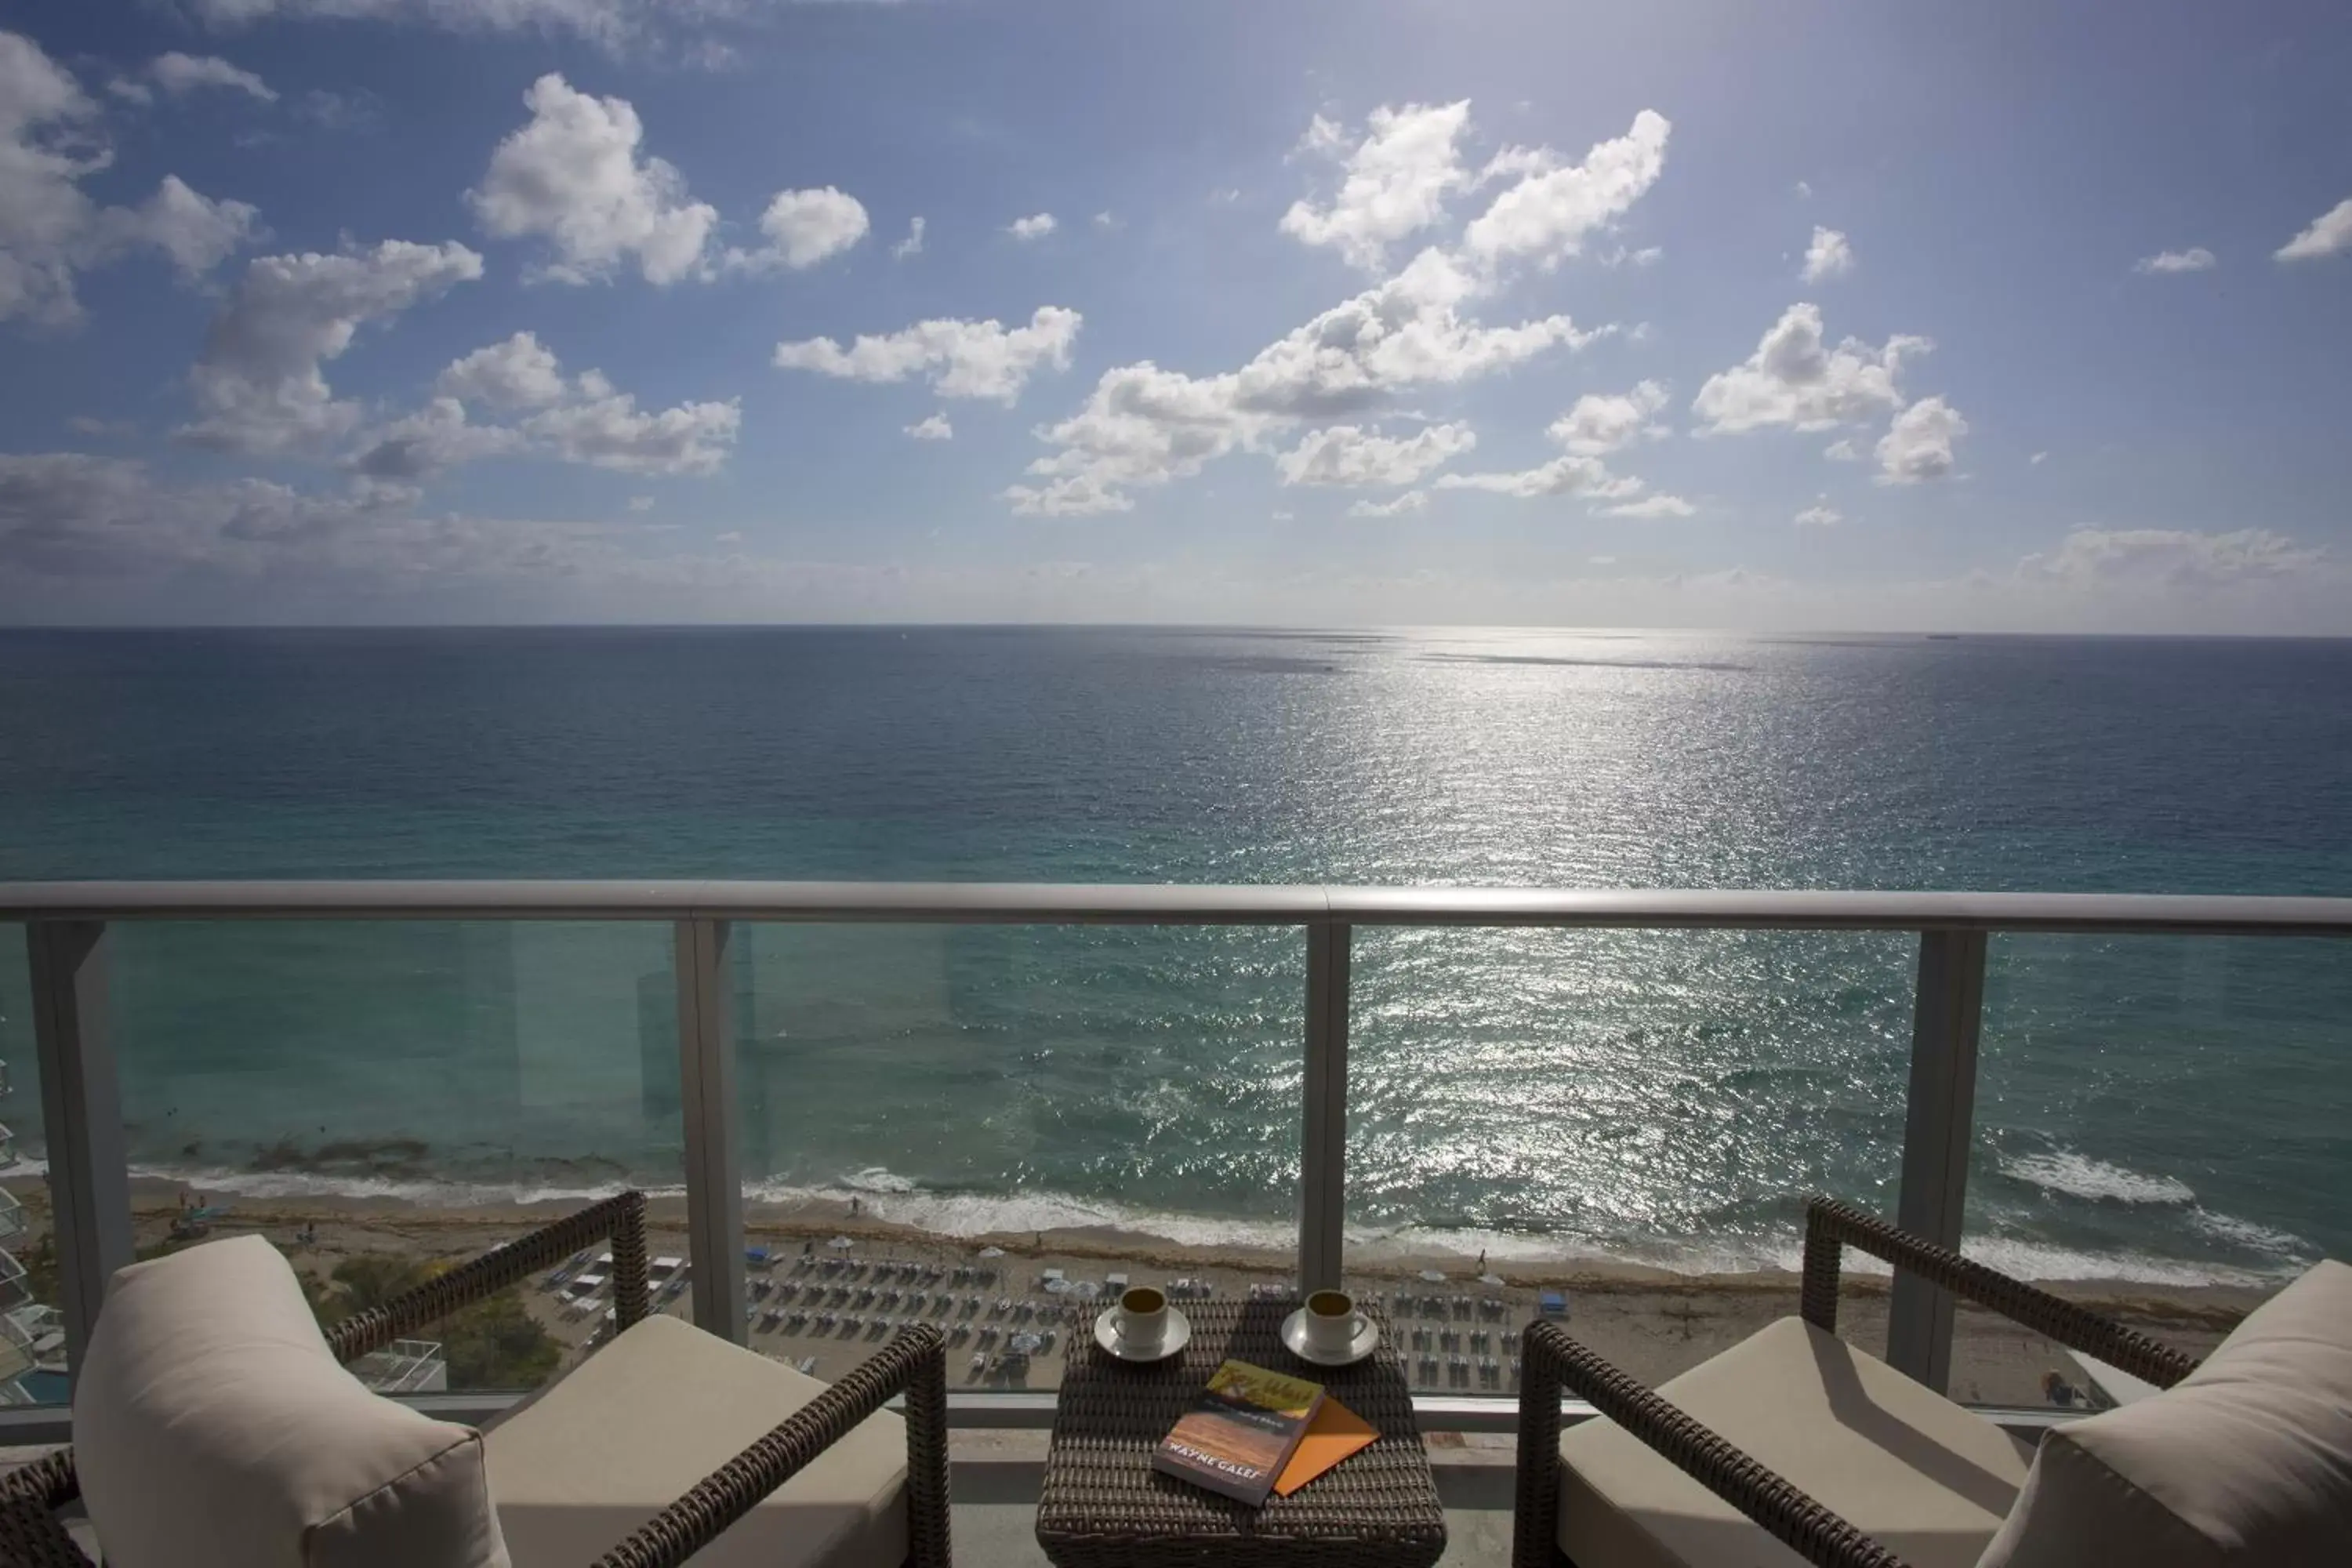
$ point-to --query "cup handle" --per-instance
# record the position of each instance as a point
(1357, 1324)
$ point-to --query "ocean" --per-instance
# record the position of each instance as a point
(2168, 1110)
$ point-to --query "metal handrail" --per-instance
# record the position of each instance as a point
(1040, 903)
(65, 935)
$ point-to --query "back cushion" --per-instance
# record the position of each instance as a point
(2247, 1460)
(213, 1428)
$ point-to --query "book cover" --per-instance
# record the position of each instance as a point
(1334, 1434)
(1241, 1432)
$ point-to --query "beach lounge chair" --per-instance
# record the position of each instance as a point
(1793, 1445)
(214, 1428)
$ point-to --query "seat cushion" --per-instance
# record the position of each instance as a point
(213, 1428)
(2246, 1460)
(635, 1427)
(1928, 1479)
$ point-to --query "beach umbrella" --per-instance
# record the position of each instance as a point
(1026, 1344)
(1057, 1287)
(1432, 1276)
(840, 1243)
(992, 1252)
(1490, 1279)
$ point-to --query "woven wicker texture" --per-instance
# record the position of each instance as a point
(1552, 1360)
(1831, 1225)
(1554, 1363)
(1103, 1504)
(914, 1363)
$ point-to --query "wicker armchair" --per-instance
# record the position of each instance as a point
(1555, 1363)
(913, 1363)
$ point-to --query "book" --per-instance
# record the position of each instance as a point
(1334, 1434)
(1241, 1432)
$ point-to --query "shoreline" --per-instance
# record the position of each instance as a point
(1385, 1257)
(1653, 1322)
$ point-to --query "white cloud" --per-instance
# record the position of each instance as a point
(962, 359)
(1653, 507)
(732, 536)
(804, 228)
(258, 385)
(1105, 220)
(1284, 516)
(608, 23)
(2196, 259)
(610, 433)
(1402, 506)
(438, 435)
(2171, 558)
(89, 425)
(1843, 450)
(913, 244)
(2330, 233)
(1569, 475)
(1396, 181)
(1819, 516)
(641, 503)
(581, 419)
(1804, 190)
(1829, 255)
(180, 75)
(1147, 425)
(1918, 444)
(935, 429)
(519, 373)
(1793, 380)
(573, 174)
(49, 229)
(1075, 495)
(1350, 455)
(197, 232)
(2038, 459)
(1548, 215)
(1601, 423)
(1036, 225)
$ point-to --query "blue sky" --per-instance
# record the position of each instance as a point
(1811, 316)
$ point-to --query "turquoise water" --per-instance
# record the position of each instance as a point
(2168, 1109)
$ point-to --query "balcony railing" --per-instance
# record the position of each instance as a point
(67, 926)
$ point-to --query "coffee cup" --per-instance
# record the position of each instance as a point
(1333, 1324)
(1142, 1319)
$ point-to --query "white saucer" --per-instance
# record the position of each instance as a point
(1294, 1336)
(1179, 1335)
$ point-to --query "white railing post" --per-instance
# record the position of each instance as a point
(1938, 1128)
(714, 1177)
(1323, 1145)
(81, 1119)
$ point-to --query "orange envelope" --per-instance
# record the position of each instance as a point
(1334, 1434)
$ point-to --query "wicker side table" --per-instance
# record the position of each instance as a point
(1103, 1505)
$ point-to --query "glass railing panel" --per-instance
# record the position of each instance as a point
(32, 1342)
(1618, 1129)
(380, 1099)
(995, 1129)
(2163, 1130)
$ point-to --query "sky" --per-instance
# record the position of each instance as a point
(1823, 316)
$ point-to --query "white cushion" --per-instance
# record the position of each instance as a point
(1927, 1479)
(213, 1428)
(2246, 1460)
(637, 1425)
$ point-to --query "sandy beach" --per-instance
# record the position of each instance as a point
(825, 1306)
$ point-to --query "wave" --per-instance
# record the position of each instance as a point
(885, 1196)
(2079, 1176)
